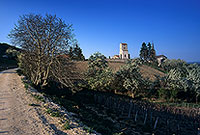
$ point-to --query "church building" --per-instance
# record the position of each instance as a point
(123, 52)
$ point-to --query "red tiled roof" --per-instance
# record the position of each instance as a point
(64, 56)
(159, 56)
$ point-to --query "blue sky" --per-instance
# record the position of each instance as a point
(100, 25)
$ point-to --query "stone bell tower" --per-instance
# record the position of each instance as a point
(123, 53)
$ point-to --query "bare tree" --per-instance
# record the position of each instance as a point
(43, 40)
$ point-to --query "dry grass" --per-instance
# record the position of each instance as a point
(149, 72)
(146, 71)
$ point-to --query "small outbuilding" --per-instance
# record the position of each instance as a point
(161, 59)
(115, 57)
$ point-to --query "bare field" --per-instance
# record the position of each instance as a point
(146, 71)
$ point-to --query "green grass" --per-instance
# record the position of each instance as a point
(34, 105)
(118, 133)
(53, 113)
(39, 98)
(87, 129)
(156, 67)
(49, 111)
(183, 104)
(56, 114)
(66, 126)
(26, 86)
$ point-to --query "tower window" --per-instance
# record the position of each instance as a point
(125, 55)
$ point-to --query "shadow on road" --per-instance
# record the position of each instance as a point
(3, 132)
(2, 102)
(3, 119)
(2, 110)
(7, 72)
(59, 132)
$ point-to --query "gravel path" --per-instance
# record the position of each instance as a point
(17, 117)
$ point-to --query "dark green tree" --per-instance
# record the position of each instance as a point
(71, 52)
(152, 54)
(149, 47)
(144, 52)
(76, 53)
(148, 53)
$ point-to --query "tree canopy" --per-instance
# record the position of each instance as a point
(147, 52)
(99, 75)
(43, 39)
(144, 52)
(75, 53)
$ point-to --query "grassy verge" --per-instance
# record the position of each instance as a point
(66, 126)
(183, 104)
(53, 113)
(48, 110)
(156, 67)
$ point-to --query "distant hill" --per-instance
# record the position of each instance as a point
(198, 62)
(7, 62)
(4, 47)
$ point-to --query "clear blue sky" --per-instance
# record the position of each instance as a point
(100, 25)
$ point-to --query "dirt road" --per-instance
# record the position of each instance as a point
(17, 117)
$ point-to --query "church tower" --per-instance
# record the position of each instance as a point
(123, 53)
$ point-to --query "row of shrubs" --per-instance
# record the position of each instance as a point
(181, 82)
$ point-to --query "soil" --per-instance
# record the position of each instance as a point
(146, 71)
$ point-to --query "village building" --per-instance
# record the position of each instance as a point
(161, 59)
(115, 57)
(123, 52)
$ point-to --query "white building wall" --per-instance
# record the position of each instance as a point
(123, 53)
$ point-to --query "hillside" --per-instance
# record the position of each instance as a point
(4, 47)
(146, 71)
(7, 62)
